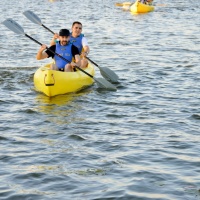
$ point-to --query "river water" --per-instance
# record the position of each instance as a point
(140, 142)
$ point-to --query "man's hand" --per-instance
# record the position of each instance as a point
(43, 47)
(84, 54)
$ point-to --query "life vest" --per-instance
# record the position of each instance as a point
(64, 51)
(77, 41)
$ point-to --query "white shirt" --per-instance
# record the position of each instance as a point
(84, 42)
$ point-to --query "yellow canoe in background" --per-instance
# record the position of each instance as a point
(52, 83)
(138, 7)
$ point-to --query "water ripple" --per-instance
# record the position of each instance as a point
(140, 142)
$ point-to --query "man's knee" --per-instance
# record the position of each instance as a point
(68, 68)
(53, 67)
(84, 63)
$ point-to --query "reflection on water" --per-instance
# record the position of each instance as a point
(57, 100)
(61, 100)
(54, 0)
(61, 109)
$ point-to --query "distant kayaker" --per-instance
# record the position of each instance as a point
(64, 48)
(79, 40)
(149, 2)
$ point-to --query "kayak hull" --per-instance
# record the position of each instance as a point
(138, 7)
(52, 82)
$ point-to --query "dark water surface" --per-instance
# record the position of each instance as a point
(140, 142)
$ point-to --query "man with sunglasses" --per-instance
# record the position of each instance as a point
(65, 49)
(78, 40)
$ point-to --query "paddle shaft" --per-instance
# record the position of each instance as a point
(58, 55)
(48, 29)
(33, 39)
(92, 61)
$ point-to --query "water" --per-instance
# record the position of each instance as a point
(140, 142)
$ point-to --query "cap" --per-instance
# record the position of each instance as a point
(64, 32)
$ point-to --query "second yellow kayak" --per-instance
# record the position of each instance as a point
(138, 7)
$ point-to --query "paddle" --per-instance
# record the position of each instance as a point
(129, 4)
(123, 4)
(15, 27)
(105, 72)
(35, 19)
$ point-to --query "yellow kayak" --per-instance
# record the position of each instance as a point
(138, 7)
(52, 83)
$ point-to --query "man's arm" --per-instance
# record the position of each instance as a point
(45, 54)
(41, 54)
(77, 60)
(53, 40)
(75, 54)
(86, 47)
